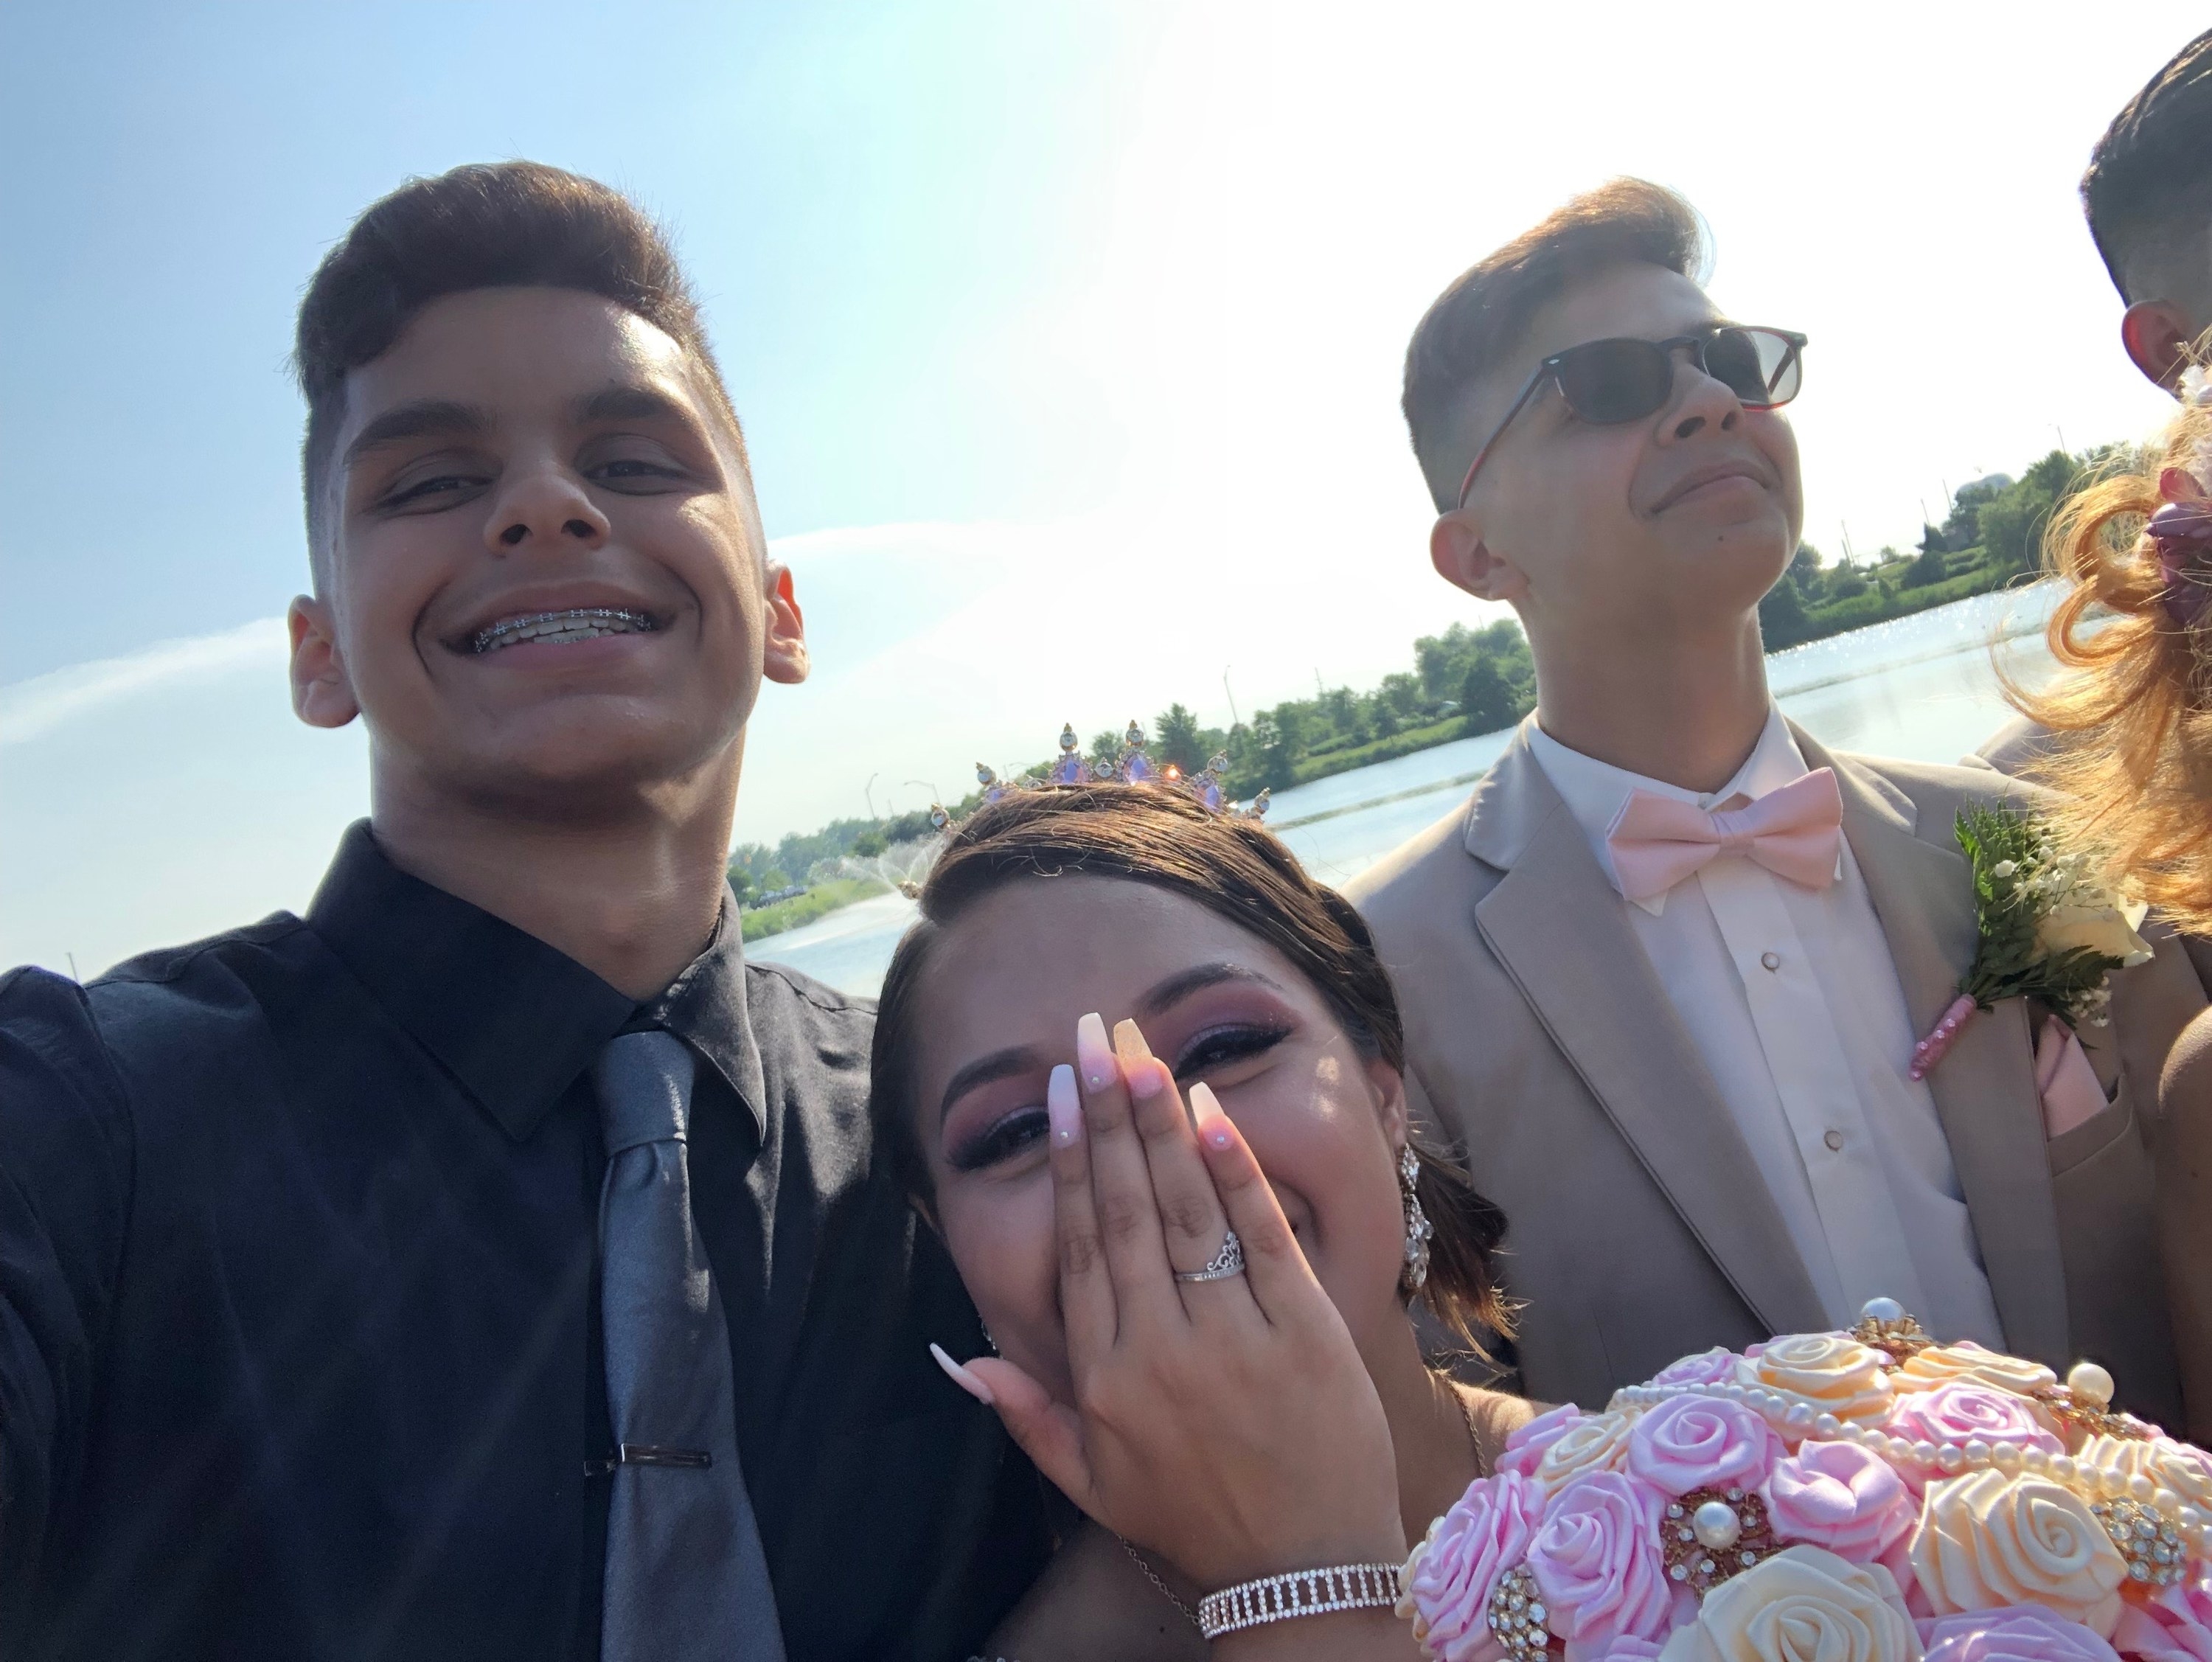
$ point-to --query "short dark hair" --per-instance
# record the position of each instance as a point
(2150, 180)
(489, 225)
(1234, 868)
(1478, 319)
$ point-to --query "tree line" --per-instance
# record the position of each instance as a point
(1992, 535)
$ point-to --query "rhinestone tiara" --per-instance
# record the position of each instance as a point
(1134, 767)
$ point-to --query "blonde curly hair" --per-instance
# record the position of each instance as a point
(2131, 711)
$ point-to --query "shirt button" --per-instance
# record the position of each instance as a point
(1834, 1139)
(1771, 960)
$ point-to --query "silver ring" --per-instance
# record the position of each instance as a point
(1229, 1261)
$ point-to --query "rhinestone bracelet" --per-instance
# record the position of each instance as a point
(1301, 1592)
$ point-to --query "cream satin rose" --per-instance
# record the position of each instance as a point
(1803, 1604)
(1593, 1443)
(1987, 1540)
(1939, 1364)
(2186, 1470)
(1832, 1372)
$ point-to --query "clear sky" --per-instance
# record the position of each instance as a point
(1066, 338)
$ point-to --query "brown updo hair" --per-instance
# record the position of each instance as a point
(2133, 717)
(1234, 868)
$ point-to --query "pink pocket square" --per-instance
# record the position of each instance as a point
(2071, 1095)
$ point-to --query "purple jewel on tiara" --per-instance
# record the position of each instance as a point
(1071, 768)
(1134, 767)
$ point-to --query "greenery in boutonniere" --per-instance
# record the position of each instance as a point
(2047, 927)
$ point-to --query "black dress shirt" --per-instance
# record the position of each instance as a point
(299, 1350)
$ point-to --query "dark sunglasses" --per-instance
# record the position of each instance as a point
(1611, 381)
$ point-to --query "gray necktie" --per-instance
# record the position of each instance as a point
(686, 1580)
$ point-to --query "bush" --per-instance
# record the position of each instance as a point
(1929, 568)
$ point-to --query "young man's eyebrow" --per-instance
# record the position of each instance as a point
(999, 1064)
(632, 401)
(1184, 982)
(413, 420)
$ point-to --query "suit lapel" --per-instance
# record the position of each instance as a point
(1556, 923)
(1984, 1090)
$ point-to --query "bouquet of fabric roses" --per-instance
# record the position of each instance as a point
(1868, 1496)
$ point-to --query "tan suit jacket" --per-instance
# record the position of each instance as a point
(1540, 1040)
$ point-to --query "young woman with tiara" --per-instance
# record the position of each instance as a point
(1143, 1074)
(2131, 759)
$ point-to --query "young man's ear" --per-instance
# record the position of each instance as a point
(1464, 560)
(2157, 338)
(784, 656)
(322, 694)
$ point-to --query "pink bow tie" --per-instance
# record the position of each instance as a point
(1657, 841)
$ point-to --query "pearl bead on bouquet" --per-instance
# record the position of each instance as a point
(1867, 1496)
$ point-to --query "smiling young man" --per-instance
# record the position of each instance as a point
(1663, 973)
(490, 1262)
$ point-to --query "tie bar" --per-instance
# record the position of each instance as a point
(650, 1454)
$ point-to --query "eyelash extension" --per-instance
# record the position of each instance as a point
(1222, 1045)
(1002, 1140)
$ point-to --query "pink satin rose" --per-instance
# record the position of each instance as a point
(1839, 1496)
(2023, 1633)
(2173, 1625)
(1525, 1445)
(1456, 1568)
(1596, 1562)
(1704, 1368)
(1702, 1442)
(1629, 1648)
(1961, 1410)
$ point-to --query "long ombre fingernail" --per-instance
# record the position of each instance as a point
(1146, 1077)
(1094, 1055)
(1206, 1111)
(1062, 1106)
(960, 1376)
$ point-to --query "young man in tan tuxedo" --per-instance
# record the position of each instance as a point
(1686, 1079)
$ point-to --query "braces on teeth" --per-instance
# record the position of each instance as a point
(579, 624)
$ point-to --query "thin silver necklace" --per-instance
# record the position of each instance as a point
(1473, 1442)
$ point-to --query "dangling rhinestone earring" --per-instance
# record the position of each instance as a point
(989, 1340)
(1419, 1229)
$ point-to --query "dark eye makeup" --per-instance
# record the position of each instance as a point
(1004, 1138)
(1217, 1047)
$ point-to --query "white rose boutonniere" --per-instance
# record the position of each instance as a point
(2049, 929)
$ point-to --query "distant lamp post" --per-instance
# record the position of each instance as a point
(868, 791)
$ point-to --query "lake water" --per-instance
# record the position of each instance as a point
(1923, 687)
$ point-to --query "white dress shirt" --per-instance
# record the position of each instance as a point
(1791, 998)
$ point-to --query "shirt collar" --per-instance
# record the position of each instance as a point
(515, 1020)
(1595, 792)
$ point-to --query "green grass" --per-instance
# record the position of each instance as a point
(818, 902)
